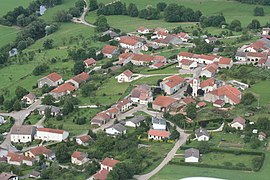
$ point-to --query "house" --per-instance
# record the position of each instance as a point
(62, 90)
(141, 59)
(116, 129)
(163, 103)
(130, 43)
(201, 104)
(29, 98)
(3, 153)
(18, 159)
(109, 51)
(90, 62)
(202, 134)
(219, 103)
(125, 58)
(199, 58)
(126, 76)
(192, 155)
(2, 120)
(261, 136)
(110, 33)
(123, 105)
(150, 46)
(159, 59)
(172, 84)
(158, 123)
(22, 134)
(13, 52)
(188, 100)
(183, 36)
(141, 94)
(35, 175)
(155, 134)
(255, 57)
(52, 79)
(226, 93)
(169, 40)
(266, 31)
(135, 121)
(79, 79)
(38, 151)
(143, 30)
(48, 134)
(55, 111)
(209, 71)
(225, 63)
(113, 112)
(108, 163)
(187, 64)
(101, 175)
(79, 158)
(8, 176)
(208, 85)
(156, 65)
(238, 123)
(100, 119)
(83, 140)
(211, 40)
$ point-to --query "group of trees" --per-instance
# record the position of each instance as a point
(258, 11)
(23, 16)
(213, 21)
(40, 69)
(261, 2)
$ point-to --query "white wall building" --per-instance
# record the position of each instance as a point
(47, 134)
(22, 134)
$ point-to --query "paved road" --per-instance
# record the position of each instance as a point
(19, 117)
(170, 155)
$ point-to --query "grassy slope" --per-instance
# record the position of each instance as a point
(7, 34)
(8, 5)
(262, 90)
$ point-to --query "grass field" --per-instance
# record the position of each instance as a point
(9, 5)
(7, 34)
(261, 89)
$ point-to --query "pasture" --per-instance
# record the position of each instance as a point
(9, 5)
(261, 90)
(7, 34)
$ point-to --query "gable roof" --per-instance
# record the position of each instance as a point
(156, 120)
(64, 88)
(186, 54)
(188, 100)
(23, 129)
(18, 157)
(90, 61)
(79, 155)
(85, 138)
(211, 68)
(186, 62)
(108, 49)
(160, 133)
(80, 78)
(207, 82)
(101, 175)
(128, 41)
(164, 101)
(224, 60)
(109, 162)
(53, 77)
(40, 150)
(136, 119)
(30, 96)
(239, 120)
(7, 176)
(192, 152)
(49, 130)
(119, 127)
(228, 91)
(128, 73)
(173, 81)
(200, 132)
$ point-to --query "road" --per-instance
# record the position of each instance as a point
(170, 155)
(19, 117)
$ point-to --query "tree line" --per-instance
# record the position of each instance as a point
(261, 2)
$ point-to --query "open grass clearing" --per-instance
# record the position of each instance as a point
(9, 5)
(7, 34)
(261, 89)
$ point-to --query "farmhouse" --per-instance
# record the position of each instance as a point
(158, 123)
(83, 140)
(116, 129)
(163, 103)
(226, 93)
(209, 71)
(225, 63)
(89, 62)
(38, 151)
(156, 65)
(79, 158)
(22, 134)
(187, 64)
(130, 43)
(123, 105)
(108, 163)
(109, 51)
(141, 59)
(202, 134)
(142, 94)
(55, 111)
(199, 58)
(238, 123)
(158, 134)
(48, 134)
(143, 30)
(63, 90)
(172, 84)
(8, 176)
(18, 159)
(183, 36)
(79, 79)
(208, 85)
(135, 121)
(126, 76)
(29, 98)
(100, 119)
(192, 155)
(52, 79)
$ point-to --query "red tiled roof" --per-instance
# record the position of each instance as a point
(49, 130)
(108, 49)
(186, 62)
(109, 162)
(85, 138)
(207, 82)
(40, 150)
(146, 58)
(18, 157)
(160, 133)
(128, 73)
(101, 175)
(125, 55)
(54, 77)
(83, 77)
(225, 60)
(79, 155)
(208, 57)
(173, 81)
(211, 68)
(141, 28)
(128, 40)
(262, 61)
(255, 54)
(188, 100)
(219, 102)
(158, 65)
(90, 61)
(64, 88)
(201, 104)
(164, 101)
(240, 120)
(182, 34)
(229, 91)
(186, 54)
(159, 58)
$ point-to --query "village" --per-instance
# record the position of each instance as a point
(162, 112)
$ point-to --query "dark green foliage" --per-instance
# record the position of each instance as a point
(48, 44)
(258, 11)
(255, 24)
(191, 111)
(40, 69)
(102, 24)
(212, 21)
(248, 99)
(149, 13)
(161, 6)
(78, 67)
(20, 92)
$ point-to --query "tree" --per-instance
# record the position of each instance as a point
(48, 44)
(78, 67)
(62, 16)
(88, 89)
(2, 99)
(132, 10)
(8, 104)
(189, 90)
(102, 24)
(161, 6)
(204, 147)
(93, 5)
(68, 106)
(258, 11)
(235, 25)
(191, 111)
(248, 98)
(48, 100)
(17, 105)
(48, 112)
(255, 24)
(40, 69)
(200, 92)
(175, 134)
(20, 92)
(62, 153)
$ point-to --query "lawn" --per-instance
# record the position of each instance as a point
(7, 34)
(168, 70)
(32, 119)
(9, 5)
(261, 89)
